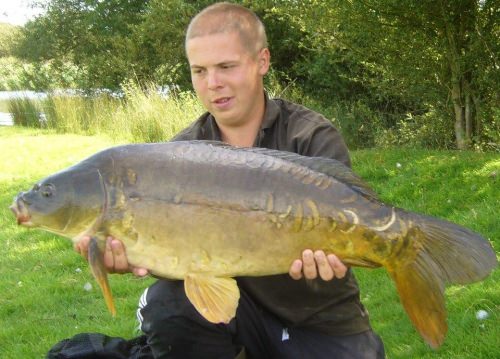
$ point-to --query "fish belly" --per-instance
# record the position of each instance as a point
(176, 239)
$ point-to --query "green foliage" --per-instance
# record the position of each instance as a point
(8, 35)
(43, 300)
(16, 74)
(94, 35)
(429, 52)
(160, 41)
(11, 70)
(430, 130)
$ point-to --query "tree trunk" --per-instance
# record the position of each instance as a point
(477, 113)
(468, 119)
(456, 76)
(459, 115)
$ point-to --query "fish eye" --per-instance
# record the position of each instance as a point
(48, 190)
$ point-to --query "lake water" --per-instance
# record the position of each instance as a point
(6, 117)
(8, 95)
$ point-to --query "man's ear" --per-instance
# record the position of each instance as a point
(264, 60)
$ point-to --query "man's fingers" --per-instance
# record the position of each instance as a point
(115, 259)
(109, 259)
(309, 264)
(325, 270)
(120, 258)
(82, 246)
(336, 264)
(140, 272)
(296, 269)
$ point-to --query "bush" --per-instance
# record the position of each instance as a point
(358, 123)
(430, 130)
(10, 74)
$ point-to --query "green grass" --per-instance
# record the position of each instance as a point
(463, 187)
(43, 299)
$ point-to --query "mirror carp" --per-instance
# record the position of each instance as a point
(204, 212)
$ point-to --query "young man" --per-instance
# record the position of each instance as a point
(295, 315)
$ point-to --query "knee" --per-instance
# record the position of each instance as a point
(173, 325)
(160, 302)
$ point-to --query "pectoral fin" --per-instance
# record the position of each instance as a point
(216, 299)
(96, 261)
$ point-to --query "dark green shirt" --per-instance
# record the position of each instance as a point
(331, 307)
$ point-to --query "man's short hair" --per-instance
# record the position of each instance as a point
(225, 17)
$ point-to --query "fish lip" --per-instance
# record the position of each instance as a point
(21, 212)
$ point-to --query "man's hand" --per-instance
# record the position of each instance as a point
(115, 259)
(328, 267)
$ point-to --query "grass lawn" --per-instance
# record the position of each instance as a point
(43, 297)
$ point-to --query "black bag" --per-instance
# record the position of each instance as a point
(95, 345)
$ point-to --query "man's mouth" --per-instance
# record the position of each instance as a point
(221, 100)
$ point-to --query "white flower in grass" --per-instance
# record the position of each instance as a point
(482, 314)
(399, 165)
(78, 270)
(87, 287)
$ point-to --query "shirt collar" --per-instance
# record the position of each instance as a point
(271, 113)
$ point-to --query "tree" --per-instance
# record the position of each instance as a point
(8, 35)
(96, 36)
(435, 50)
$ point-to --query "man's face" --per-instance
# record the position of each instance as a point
(226, 77)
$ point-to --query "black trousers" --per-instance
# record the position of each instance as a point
(176, 330)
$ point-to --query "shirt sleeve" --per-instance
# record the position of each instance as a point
(326, 141)
(309, 133)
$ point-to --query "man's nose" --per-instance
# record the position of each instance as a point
(213, 80)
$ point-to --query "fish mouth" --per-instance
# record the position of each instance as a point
(21, 212)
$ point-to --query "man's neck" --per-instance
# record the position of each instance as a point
(243, 135)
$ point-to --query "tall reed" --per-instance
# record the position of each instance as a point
(149, 116)
(25, 112)
(141, 114)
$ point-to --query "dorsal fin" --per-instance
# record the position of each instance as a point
(327, 166)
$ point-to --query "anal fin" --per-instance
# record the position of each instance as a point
(216, 299)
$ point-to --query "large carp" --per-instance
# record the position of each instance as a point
(204, 212)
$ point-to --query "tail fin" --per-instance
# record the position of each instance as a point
(447, 254)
